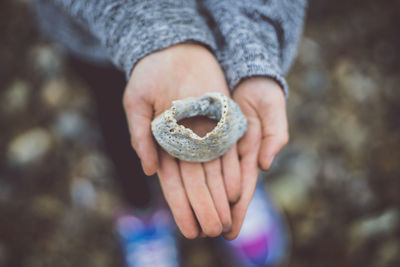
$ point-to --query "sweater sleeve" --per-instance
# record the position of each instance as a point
(255, 37)
(129, 30)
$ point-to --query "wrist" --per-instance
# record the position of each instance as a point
(260, 87)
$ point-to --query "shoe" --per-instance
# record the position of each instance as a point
(148, 240)
(263, 239)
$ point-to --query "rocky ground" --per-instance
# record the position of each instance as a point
(337, 181)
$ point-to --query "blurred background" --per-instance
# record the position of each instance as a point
(337, 181)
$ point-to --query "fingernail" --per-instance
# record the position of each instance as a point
(235, 201)
(269, 163)
(225, 235)
(226, 227)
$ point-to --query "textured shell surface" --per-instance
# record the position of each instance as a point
(183, 143)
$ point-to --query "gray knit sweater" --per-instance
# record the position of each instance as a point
(248, 37)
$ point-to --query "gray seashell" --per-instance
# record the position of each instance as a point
(184, 144)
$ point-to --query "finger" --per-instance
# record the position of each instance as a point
(139, 115)
(216, 187)
(175, 196)
(274, 131)
(200, 198)
(248, 148)
(250, 142)
(231, 174)
(249, 172)
(270, 147)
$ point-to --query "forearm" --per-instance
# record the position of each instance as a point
(130, 30)
(255, 38)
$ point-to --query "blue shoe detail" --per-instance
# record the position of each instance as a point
(148, 240)
(263, 239)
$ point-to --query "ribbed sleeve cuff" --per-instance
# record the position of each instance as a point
(249, 48)
(156, 25)
(165, 38)
(254, 60)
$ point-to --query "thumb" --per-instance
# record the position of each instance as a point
(139, 115)
(274, 130)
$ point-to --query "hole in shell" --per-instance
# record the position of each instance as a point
(201, 116)
(200, 125)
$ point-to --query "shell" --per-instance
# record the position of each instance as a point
(184, 144)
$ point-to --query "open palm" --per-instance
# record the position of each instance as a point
(263, 103)
(197, 193)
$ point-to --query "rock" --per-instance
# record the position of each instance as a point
(83, 193)
(349, 130)
(370, 227)
(29, 146)
(289, 194)
(356, 84)
(15, 98)
(359, 191)
(47, 206)
(100, 258)
(54, 93)
(92, 165)
(310, 52)
(74, 126)
(291, 189)
(106, 202)
(312, 76)
(48, 59)
(387, 253)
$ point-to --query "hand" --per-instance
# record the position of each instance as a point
(263, 103)
(197, 193)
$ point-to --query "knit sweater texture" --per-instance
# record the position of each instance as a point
(248, 38)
